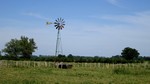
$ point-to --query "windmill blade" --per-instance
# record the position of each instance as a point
(62, 26)
(55, 25)
(58, 19)
(55, 22)
(62, 20)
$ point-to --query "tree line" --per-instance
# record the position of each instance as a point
(87, 59)
(82, 59)
(22, 49)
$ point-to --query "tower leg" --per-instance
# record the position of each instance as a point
(58, 44)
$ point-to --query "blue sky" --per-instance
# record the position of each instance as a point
(93, 27)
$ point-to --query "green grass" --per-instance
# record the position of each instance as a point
(87, 73)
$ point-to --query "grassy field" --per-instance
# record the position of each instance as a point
(27, 72)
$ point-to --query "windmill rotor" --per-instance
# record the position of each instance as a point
(59, 23)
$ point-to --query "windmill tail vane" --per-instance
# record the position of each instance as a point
(49, 23)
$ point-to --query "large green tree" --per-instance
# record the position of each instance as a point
(130, 53)
(24, 47)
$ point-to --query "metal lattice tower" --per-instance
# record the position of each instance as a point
(59, 24)
(59, 49)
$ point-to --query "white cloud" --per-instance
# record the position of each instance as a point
(126, 31)
(113, 2)
(36, 15)
(139, 19)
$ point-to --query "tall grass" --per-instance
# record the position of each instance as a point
(33, 72)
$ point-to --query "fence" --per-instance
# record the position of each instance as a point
(107, 65)
(10, 63)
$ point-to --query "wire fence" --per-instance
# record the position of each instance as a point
(11, 63)
(108, 65)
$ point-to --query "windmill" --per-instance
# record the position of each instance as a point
(59, 24)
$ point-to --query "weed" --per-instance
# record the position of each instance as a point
(121, 71)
